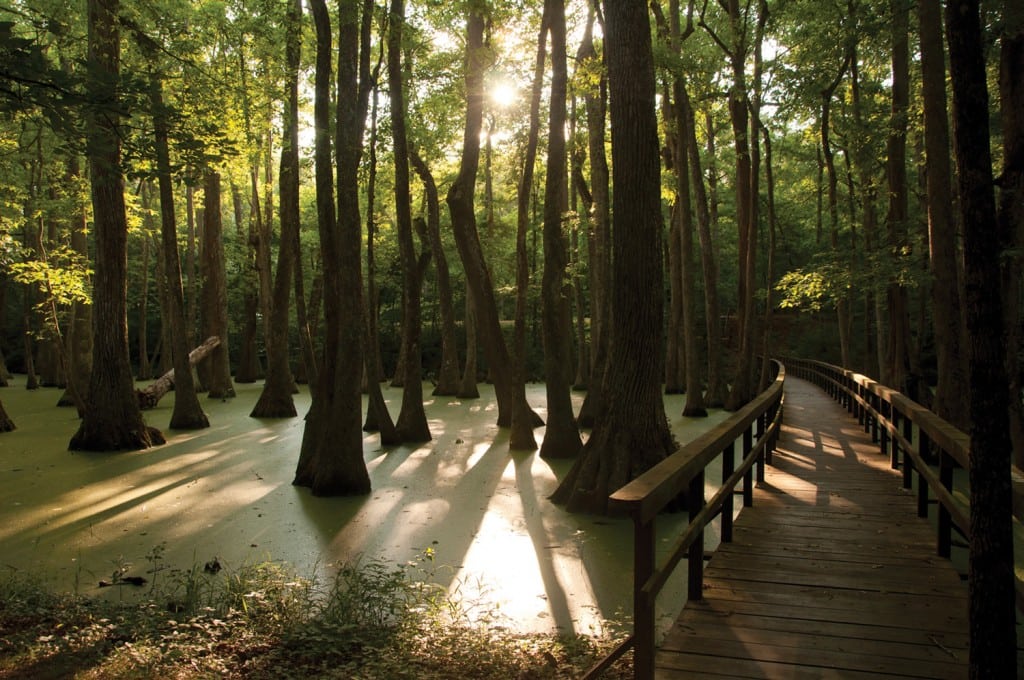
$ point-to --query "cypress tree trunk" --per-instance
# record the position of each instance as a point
(631, 432)
(276, 398)
(448, 374)
(990, 580)
(460, 204)
(112, 419)
(950, 403)
(562, 437)
(412, 419)
(188, 413)
(331, 461)
(214, 311)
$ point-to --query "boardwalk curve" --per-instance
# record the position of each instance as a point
(830, 574)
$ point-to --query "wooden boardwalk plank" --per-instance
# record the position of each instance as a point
(831, 574)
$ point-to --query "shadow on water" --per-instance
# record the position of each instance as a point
(226, 491)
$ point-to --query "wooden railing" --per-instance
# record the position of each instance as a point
(916, 440)
(755, 427)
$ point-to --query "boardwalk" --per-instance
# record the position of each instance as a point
(831, 574)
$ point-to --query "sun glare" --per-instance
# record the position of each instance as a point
(504, 94)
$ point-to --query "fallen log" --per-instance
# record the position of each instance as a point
(150, 395)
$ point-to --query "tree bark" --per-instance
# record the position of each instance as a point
(448, 374)
(561, 437)
(990, 581)
(521, 436)
(331, 460)
(112, 420)
(468, 386)
(80, 336)
(188, 413)
(249, 369)
(950, 392)
(599, 243)
(1011, 206)
(214, 310)
(460, 204)
(898, 355)
(145, 365)
(412, 419)
(631, 433)
(276, 398)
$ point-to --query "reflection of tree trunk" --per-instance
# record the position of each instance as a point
(991, 559)
(112, 420)
(331, 459)
(412, 419)
(276, 398)
(460, 204)
(631, 432)
(214, 310)
(562, 437)
(448, 374)
(187, 413)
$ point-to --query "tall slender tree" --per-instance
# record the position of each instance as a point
(990, 578)
(460, 200)
(188, 413)
(331, 460)
(276, 398)
(562, 437)
(631, 433)
(214, 309)
(950, 392)
(412, 419)
(112, 419)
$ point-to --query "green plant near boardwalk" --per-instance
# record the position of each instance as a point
(374, 619)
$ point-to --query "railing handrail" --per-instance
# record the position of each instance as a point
(890, 416)
(683, 471)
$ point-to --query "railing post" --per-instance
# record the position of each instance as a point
(886, 408)
(922, 484)
(643, 607)
(876, 404)
(945, 539)
(695, 555)
(728, 466)
(762, 426)
(894, 452)
(748, 477)
(908, 467)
